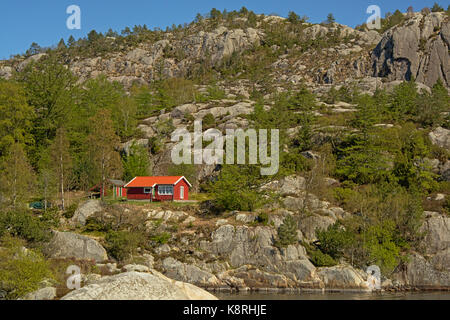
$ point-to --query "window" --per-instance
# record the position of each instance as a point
(181, 192)
(165, 190)
(147, 190)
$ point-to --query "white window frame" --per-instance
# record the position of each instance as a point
(148, 190)
(165, 190)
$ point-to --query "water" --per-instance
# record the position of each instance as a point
(334, 296)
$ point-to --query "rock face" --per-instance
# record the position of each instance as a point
(433, 269)
(189, 273)
(440, 137)
(139, 286)
(342, 277)
(418, 48)
(72, 245)
(175, 57)
(86, 210)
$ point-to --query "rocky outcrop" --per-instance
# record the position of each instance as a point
(417, 48)
(139, 286)
(189, 273)
(71, 245)
(169, 57)
(86, 210)
(431, 269)
(440, 137)
(48, 293)
(343, 277)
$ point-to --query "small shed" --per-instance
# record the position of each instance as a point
(115, 187)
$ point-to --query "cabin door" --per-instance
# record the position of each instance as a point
(181, 193)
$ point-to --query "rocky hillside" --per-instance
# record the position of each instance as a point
(318, 54)
(364, 158)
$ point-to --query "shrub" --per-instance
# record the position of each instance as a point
(320, 259)
(334, 240)
(122, 244)
(25, 225)
(208, 121)
(21, 270)
(70, 211)
(287, 232)
(263, 218)
(161, 238)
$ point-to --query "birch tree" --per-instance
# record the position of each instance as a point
(103, 143)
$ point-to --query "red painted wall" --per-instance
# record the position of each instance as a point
(138, 193)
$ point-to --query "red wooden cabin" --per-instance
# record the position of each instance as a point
(158, 188)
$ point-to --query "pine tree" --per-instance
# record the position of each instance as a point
(15, 116)
(287, 232)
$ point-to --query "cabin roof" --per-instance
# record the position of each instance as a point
(148, 182)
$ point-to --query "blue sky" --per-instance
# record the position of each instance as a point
(44, 21)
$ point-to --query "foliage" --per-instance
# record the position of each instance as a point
(17, 177)
(21, 270)
(24, 224)
(334, 240)
(237, 189)
(102, 145)
(15, 116)
(287, 232)
(122, 244)
(137, 163)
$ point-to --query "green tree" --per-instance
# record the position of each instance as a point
(51, 91)
(15, 116)
(17, 178)
(237, 188)
(137, 163)
(287, 232)
(103, 143)
(404, 100)
(293, 17)
(330, 18)
(437, 8)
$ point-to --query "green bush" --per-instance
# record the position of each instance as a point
(161, 238)
(320, 259)
(21, 270)
(263, 218)
(122, 244)
(25, 225)
(70, 211)
(287, 232)
(93, 224)
(334, 240)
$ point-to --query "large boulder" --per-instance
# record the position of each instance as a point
(71, 245)
(189, 273)
(342, 277)
(86, 210)
(139, 286)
